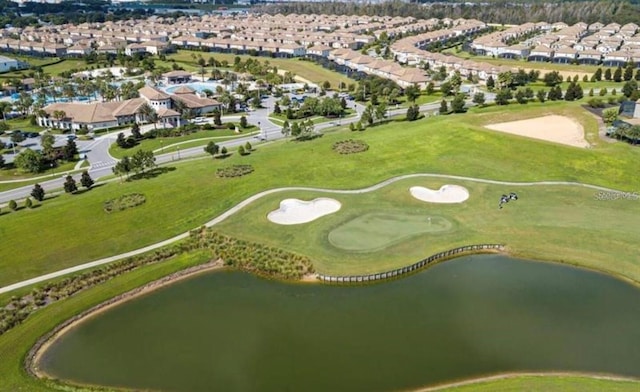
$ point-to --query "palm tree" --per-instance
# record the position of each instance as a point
(145, 111)
(59, 115)
(5, 107)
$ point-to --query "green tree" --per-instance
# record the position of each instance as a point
(223, 151)
(520, 97)
(430, 88)
(552, 78)
(86, 180)
(29, 161)
(135, 131)
(609, 116)
(617, 75)
(479, 99)
(628, 72)
(37, 192)
(607, 74)
(241, 150)
(70, 185)
(541, 95)
(412, 93)
(598, 75)
(629, 88)
(603, 92)
(123, 167)
(47, 141)
(243, 122)
(248, 147)
(217, 120)
(13, 205)
(491, 84)
(212, 148)
(457, 104)
(446, 89)
(503, 96)
(286, 129)
(28, 203)
(444, 107)
(276, 108)
(70, 150)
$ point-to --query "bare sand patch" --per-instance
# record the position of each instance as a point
(296, 211)
(446, 194)
(554, 128)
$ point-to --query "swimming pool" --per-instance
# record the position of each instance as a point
(198, 86)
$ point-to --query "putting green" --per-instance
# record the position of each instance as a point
(375, 230)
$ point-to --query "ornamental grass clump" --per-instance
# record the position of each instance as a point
(234, 171)
(350, 146)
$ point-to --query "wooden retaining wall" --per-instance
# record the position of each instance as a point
(481, 248)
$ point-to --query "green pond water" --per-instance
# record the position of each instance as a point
(474, 316)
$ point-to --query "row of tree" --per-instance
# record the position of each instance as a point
(137, 164)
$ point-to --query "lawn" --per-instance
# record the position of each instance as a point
(279, 119)
(305, 69)
(388, 228)
(525, 64)
(50, 66)
(187, 197)
(159, 144)
(15, 174)
(22, 124)
(564, 220)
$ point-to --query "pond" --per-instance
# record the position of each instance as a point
(462, 319)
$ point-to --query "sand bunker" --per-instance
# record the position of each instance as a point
(558, 129)
(295, 211)
(446, 194)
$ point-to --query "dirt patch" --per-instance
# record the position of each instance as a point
(554, 128)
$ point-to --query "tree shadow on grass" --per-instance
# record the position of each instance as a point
(153, 173)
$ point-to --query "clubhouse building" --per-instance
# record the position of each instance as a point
(100, 115)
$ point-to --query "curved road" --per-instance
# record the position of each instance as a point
(97, 151)
(259, 195)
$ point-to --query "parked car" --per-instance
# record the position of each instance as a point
(71, 137)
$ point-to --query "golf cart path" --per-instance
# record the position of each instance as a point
(262, 194)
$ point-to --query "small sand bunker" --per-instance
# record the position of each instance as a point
(295, 211)
(446, 194)
(557, 129)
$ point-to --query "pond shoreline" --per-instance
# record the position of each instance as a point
(35, 353)
(496, 377)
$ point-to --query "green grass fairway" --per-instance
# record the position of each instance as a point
(187, 197)
(376, 230)
(548, 222)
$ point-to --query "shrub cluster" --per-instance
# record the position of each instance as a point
(350, 146)
(251, 256)
(234, 171)
(123, 202)
(244, 255)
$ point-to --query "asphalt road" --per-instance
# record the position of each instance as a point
(97, 150)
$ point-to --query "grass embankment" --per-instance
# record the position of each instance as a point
(305, 69)
(546, 383)
(161, 145)
(187, 197)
